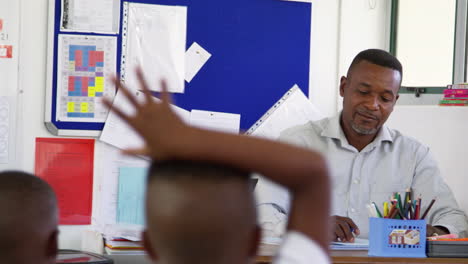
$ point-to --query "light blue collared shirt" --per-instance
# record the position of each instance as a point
(391, 163)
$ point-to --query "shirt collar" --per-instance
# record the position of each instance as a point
(333, 129)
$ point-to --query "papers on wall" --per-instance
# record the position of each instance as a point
(111, 161)
(218, 121)
(85, 65)
(359, 244)
(117, 133)
(293, 109)
(131, 195)
(100, 16)
(67, 165)
(195, 58)
(7, 131)
(154, 38)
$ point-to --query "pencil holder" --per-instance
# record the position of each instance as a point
(397, 238)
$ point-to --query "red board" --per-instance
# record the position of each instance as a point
(67, 165)
(1, 25)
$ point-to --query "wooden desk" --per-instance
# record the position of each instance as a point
(360, 256)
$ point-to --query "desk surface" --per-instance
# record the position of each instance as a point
(360, 256)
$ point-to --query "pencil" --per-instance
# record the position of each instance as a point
(393, 212)
(418, 208)
(428, 208)
(406, 196)
(400, 205)
(377, 210)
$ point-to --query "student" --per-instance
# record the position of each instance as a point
(29, 219)
(369, 161)
(200, 206)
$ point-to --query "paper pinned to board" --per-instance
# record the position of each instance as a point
(293, 109)
(155, 40)
(101, 16)
(85, 65)
(195, 58)
(218, 121)
(117, 133)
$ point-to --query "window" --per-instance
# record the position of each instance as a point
(429, 38)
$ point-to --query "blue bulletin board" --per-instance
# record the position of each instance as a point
(260, 49)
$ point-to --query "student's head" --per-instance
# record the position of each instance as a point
(199, 213)
(28, 219)
(370, 90)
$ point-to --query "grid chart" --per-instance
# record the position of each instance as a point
(85, 62)
(85, 59)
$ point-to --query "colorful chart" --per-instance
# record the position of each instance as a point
(86, 63)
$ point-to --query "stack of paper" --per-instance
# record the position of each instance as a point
(121, 246)
(359, 244)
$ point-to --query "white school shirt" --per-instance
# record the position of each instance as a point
(391, 163)
(299, 249)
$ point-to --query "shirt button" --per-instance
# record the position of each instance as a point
(356, 181)
(352, 210)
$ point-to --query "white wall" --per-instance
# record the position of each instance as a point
(340, 29)
(32, 82)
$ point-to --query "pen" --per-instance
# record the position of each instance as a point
(428, 208)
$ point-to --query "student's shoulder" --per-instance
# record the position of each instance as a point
(298, 248)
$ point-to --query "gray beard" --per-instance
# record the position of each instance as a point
(363, 131)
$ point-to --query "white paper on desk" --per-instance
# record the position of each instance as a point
(217, 121)
(195, 58)
(359, 244)
(117, 133)
(130, 232)
(291, 110)
(100, 16)
(156, 38)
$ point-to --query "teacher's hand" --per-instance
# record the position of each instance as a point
(344, 229)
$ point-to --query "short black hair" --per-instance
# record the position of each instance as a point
(176, 169)
(24, 185)
(378, 57)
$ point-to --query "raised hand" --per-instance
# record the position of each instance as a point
(162, 130)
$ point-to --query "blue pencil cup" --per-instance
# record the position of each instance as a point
(397, 238)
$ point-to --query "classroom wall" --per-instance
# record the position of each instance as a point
(340, 29)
